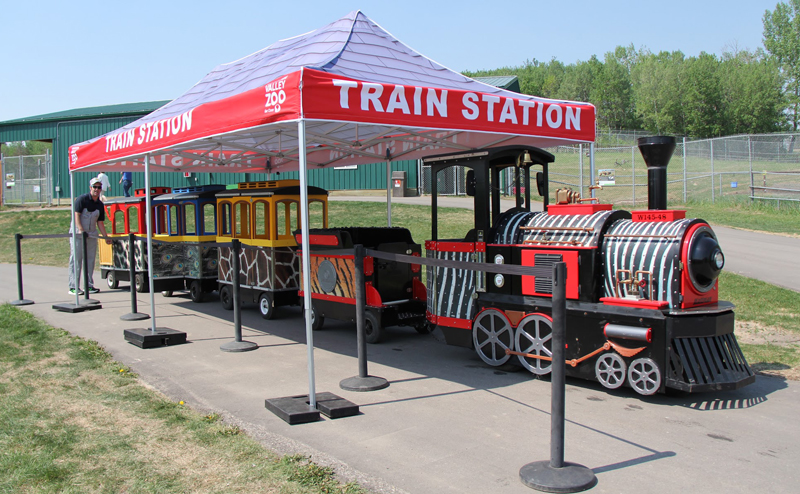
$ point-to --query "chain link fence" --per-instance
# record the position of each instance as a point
(26, 180)
(763, 167)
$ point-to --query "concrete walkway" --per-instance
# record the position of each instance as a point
(447, 423)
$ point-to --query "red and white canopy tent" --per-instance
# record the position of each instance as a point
(348, 93)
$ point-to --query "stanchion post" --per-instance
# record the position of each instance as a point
(135, 315)
(85, 256)
(557, 475)
(21, 300)
(558, 383)
(362, 382)
(237, 345)
(132, 271)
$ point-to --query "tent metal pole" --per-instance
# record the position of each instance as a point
(149, 217)
(74, 237)
(306, 260)
(592, 171)
(388, 193)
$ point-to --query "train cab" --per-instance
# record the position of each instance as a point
(452, 293)
(183, 221)
(262, 216)
(126, 215)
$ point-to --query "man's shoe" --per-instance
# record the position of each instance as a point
(72, 291)
(94, 290)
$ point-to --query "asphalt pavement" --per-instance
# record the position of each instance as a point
(447, 423)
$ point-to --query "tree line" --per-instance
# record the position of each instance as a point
(667, 92)
(670, 93)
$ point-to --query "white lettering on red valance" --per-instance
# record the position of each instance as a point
(150, 131)
(480, 108)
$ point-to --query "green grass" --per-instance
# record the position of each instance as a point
(453, 222)
(76, 421)
(47, 252)
(757, 301)
(758, 216)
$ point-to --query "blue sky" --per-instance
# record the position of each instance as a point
(61, 55)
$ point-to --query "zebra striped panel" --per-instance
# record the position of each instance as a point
(508, 232)
(548, 229)
(450, 290)
(647, 246)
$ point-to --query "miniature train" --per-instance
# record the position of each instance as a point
(184, 219)
(394, 292)
(642, 290)
(265, 218)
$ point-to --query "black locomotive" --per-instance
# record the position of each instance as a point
(642, 290)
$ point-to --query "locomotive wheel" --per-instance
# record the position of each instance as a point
(265, 306)
(610, 370)
(226, 297)
(535, 336)
(644, 376)
(196, 291)
(317, 319)
(166, 293)
(492, 335)
(373, 332)
(140, 282)
(111, 279)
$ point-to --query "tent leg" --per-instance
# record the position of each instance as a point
(306, 408)
(154, 337)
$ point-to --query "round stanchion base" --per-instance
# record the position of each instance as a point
(238, 346)
(134, 316)
(24, 301)
(571, 477)
(89, 301)
(369, 383)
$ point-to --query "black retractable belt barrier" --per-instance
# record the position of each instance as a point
(363, 381)
(87, 303)
(237, 345)
(557, 475)
(21, 300)
(135, 315)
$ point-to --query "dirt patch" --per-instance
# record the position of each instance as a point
(753, 333)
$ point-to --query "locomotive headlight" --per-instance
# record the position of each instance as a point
(499, 259)
(499, 280)
(719, 259)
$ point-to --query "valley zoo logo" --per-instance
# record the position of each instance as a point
(275, 95)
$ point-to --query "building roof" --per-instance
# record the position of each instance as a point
(122, 110)
(510, 82)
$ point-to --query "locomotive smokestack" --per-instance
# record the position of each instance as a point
(657, 151)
